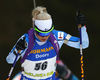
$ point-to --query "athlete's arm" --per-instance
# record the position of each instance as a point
(72, 41)
(85, 40)
(12, 55)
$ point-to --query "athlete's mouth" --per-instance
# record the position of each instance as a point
(43, 39)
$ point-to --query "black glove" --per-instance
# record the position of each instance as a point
(21, 44)
(80, 18)
(61, 70)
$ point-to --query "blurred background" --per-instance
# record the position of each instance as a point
(16, 19)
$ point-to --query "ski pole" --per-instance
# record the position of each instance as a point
(34, 2)
(33, 19)
(10, 72)
(81, 52)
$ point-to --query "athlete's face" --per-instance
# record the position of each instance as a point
(42, 38)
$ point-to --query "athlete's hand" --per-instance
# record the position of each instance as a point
(21, 44)
(80, 18)
(61, 70)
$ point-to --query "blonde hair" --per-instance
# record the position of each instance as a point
(40, 13)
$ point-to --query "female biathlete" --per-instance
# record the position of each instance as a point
(39, 48)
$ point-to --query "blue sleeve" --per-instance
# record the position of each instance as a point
(85, 40)
(72, 41)
(60, 35)
(75, 39)
(11, 56)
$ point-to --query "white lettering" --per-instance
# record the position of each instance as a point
(43, 55)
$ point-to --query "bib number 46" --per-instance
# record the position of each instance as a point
(41, 66)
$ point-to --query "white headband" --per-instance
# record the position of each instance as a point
(43, 25)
